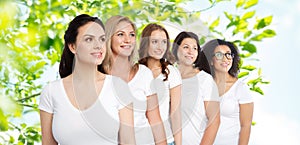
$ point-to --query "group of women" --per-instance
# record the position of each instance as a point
(112, 92)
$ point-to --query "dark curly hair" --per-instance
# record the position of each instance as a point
(208, 52)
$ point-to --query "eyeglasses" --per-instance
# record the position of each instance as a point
(220, 55)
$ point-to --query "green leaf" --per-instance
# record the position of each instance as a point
(248, 15)
(247, 34)
(258, 90)
(240, 3)
(265, 34)
(228, 16)
(248, 67)
(242, 74)
(202, 40)
(261, 23)
(249, 47)
(3, 121)
(215, 23)
(250, 3)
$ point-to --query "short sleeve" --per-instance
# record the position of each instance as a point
(174, 77)
(122, 92)
(46, 100)
(211, 92)
(244, 94)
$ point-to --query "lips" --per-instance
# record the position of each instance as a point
(224, 64)
(126, 46)
(189, 57)
(97, 54)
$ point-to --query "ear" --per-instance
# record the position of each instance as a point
(72, 48)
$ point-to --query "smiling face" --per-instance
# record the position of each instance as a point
(187, 51)
(90, 44)
(123, 40)
(222, 65)
(157, 44)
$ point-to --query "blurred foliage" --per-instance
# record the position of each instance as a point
(31, 41)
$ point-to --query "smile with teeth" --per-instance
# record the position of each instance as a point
(97, 54)
(189, 57)
(225, 64)
(126, 46)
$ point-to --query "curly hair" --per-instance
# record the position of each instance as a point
(208, 52)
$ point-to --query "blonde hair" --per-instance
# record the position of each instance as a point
(110, 30)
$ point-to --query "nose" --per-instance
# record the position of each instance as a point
(127, 39)
(98, 44)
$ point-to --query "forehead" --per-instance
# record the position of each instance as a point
(159, 34)
(222, 48)
(91, 28)
(189, 41)
(124, 26)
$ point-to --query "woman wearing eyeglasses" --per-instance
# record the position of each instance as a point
(237, 104)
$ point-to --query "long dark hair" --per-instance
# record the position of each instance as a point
(167, 58)
(67, 57)
(208, 52)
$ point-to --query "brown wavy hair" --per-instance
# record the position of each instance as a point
(167, 59)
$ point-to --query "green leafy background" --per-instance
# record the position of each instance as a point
(31, 42)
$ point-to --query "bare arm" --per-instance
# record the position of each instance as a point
(175, 113)
(46, 125)
(155, 121)
(126, 132)
(212, 109)
(246, 113)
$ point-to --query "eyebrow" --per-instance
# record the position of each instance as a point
(92, 35)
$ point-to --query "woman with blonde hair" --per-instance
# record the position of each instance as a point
(121, 34)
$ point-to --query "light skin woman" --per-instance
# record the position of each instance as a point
(223, 58)
(121, 34)
(77, 92)
(200, 100)
(155, 53)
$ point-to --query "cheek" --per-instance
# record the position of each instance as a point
(179, 54)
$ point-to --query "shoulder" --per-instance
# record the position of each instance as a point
(172, 69)
(204, 76)
(143, 70)
(53, 85)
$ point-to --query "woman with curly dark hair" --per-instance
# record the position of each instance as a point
(236, 107)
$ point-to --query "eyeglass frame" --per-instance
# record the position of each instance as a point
(228, 55)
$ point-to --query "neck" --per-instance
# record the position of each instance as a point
(121, 67)
(221, 77)
(153, 63)
(187, 71)
(86, 72)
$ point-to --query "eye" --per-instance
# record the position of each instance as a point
(120, 34)
(164, 42)
(89, 39)
(132, 35)
(195, 48)
(185, 47)
(154, 41)
(102, 39)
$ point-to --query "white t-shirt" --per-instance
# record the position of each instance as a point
(228, 133)
(141, 87)
(195, 91)
(163, 92)
(98, 124)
